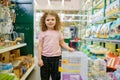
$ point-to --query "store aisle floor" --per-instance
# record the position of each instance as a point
(35, 74)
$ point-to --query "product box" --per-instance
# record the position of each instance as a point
(5, 57)
(74, 65)
(16, 52)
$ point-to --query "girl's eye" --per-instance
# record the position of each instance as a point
(47, 20)
(52, 19)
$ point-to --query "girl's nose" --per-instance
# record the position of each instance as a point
(50, 21)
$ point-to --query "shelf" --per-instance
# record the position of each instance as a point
(108, 18)
(115, 15)
(28, 72)
(103, 40)
(74, 20)
(12, 48)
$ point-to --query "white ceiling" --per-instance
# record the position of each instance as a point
(57, 4)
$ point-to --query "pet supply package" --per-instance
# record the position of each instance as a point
(115, 30)
(105, 30)
(98, 31)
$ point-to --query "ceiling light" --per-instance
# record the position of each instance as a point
(63, 1)
(49, 3)
(35, 2)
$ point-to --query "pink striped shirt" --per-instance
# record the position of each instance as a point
(51, 46)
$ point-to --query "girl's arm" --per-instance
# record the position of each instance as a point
(39, 49)
(40, 62)
(64, 45)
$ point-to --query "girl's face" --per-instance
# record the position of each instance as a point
(50, 21)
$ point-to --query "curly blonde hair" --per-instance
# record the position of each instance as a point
(42, 20)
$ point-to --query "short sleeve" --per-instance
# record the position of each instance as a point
(61, 36)
(41, 36)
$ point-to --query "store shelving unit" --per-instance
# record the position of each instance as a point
(102, 4)
(8, 9)
(103, 40)
(110, 13)
(97, 5)
(15, 47)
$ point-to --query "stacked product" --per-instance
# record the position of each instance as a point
(97, 69)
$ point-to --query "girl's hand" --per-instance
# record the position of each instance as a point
(71, 49)
(40, 63)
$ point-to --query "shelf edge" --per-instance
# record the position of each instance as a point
(28, 72)
(12, 48)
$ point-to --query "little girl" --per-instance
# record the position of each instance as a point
(50, 43)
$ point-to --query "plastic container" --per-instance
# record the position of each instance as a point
(6, 68)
